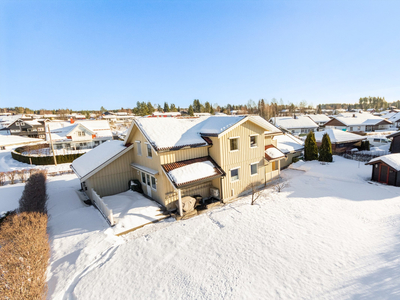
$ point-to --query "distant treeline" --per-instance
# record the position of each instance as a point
(263, 107)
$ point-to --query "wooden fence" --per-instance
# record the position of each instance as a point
(102, 207)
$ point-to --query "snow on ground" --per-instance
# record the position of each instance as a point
(132, 209)
(328, 235)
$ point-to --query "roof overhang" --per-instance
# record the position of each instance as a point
(144, 169)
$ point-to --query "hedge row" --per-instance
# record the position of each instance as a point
(24, 256)
(44, 160)
(34, 196)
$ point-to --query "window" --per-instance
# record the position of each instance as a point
(143, 178)
(234, 144)
(153, 183)
(253, 169)
(40, 129)
(149, 154)
(253, 141)
(81, 133)
(234, 174)
(139, 148)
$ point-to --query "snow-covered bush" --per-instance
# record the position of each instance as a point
(2, 178)
(24, 256)
(11, 176)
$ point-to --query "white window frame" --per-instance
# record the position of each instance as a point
(139, 148)
(256, 144)
(155, 183)
(238, 143)
(238, 175)
(256, 163)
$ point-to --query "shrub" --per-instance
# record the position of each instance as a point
(11, 176)
(325, 151)
(22, 175)
(34, 197)
(2, 178)
(310, 147)
(24, 256)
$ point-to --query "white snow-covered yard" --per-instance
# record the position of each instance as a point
(328, 235)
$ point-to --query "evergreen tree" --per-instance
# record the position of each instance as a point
(212, 110)
(325, 151)
(150, 108)
(173, 108)
(159, 108)
(207, 107)
(190, 111)
(310, 147)
(166, 107)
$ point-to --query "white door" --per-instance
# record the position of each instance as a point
(148, 185)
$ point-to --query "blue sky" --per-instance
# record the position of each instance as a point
(87, 54)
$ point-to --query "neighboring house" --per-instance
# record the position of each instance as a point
(395, 145)
(78, 135)
(290, 146)
(341, 140)
(297, 125)
(165, 114)
(13, 140)
(320, 119)
(7, 119)
(395, 119)
(31, 128)
(386, 169)
(177, 157)
(358, 122)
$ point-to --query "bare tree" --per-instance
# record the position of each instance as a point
(22, 175)
(11, 175)
(279, 186)
(2, 178)
(255, 192)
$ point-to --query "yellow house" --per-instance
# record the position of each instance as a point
(216, 156)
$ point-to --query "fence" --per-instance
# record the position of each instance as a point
(364, 157)
(102, 207)
(43, 160)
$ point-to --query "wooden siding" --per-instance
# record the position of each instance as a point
(185, 154)
(242, 159)
(114, 178)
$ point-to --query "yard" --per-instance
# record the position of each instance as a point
(330, 234)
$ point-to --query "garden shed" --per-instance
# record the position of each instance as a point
(386, 169)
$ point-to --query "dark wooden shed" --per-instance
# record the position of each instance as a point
(395, 146)
(386, 169)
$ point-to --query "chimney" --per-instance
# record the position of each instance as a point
(72, 121)
(354, 115)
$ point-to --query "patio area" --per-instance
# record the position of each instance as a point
(132, 210)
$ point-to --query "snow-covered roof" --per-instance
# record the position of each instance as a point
(168, 133)
(193, 170)
(97, 157)
(60, 130)
(356, 119)
(338, 136)
(320, 118)
(273, 153)
(11, 140)
(291, 123)
(287, 143)
(392, 160)
(395, 117)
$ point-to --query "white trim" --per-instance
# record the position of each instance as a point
(254, 134)
(230, 174)
(144, 169)
(234, 137)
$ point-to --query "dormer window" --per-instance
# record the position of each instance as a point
(253, 141)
